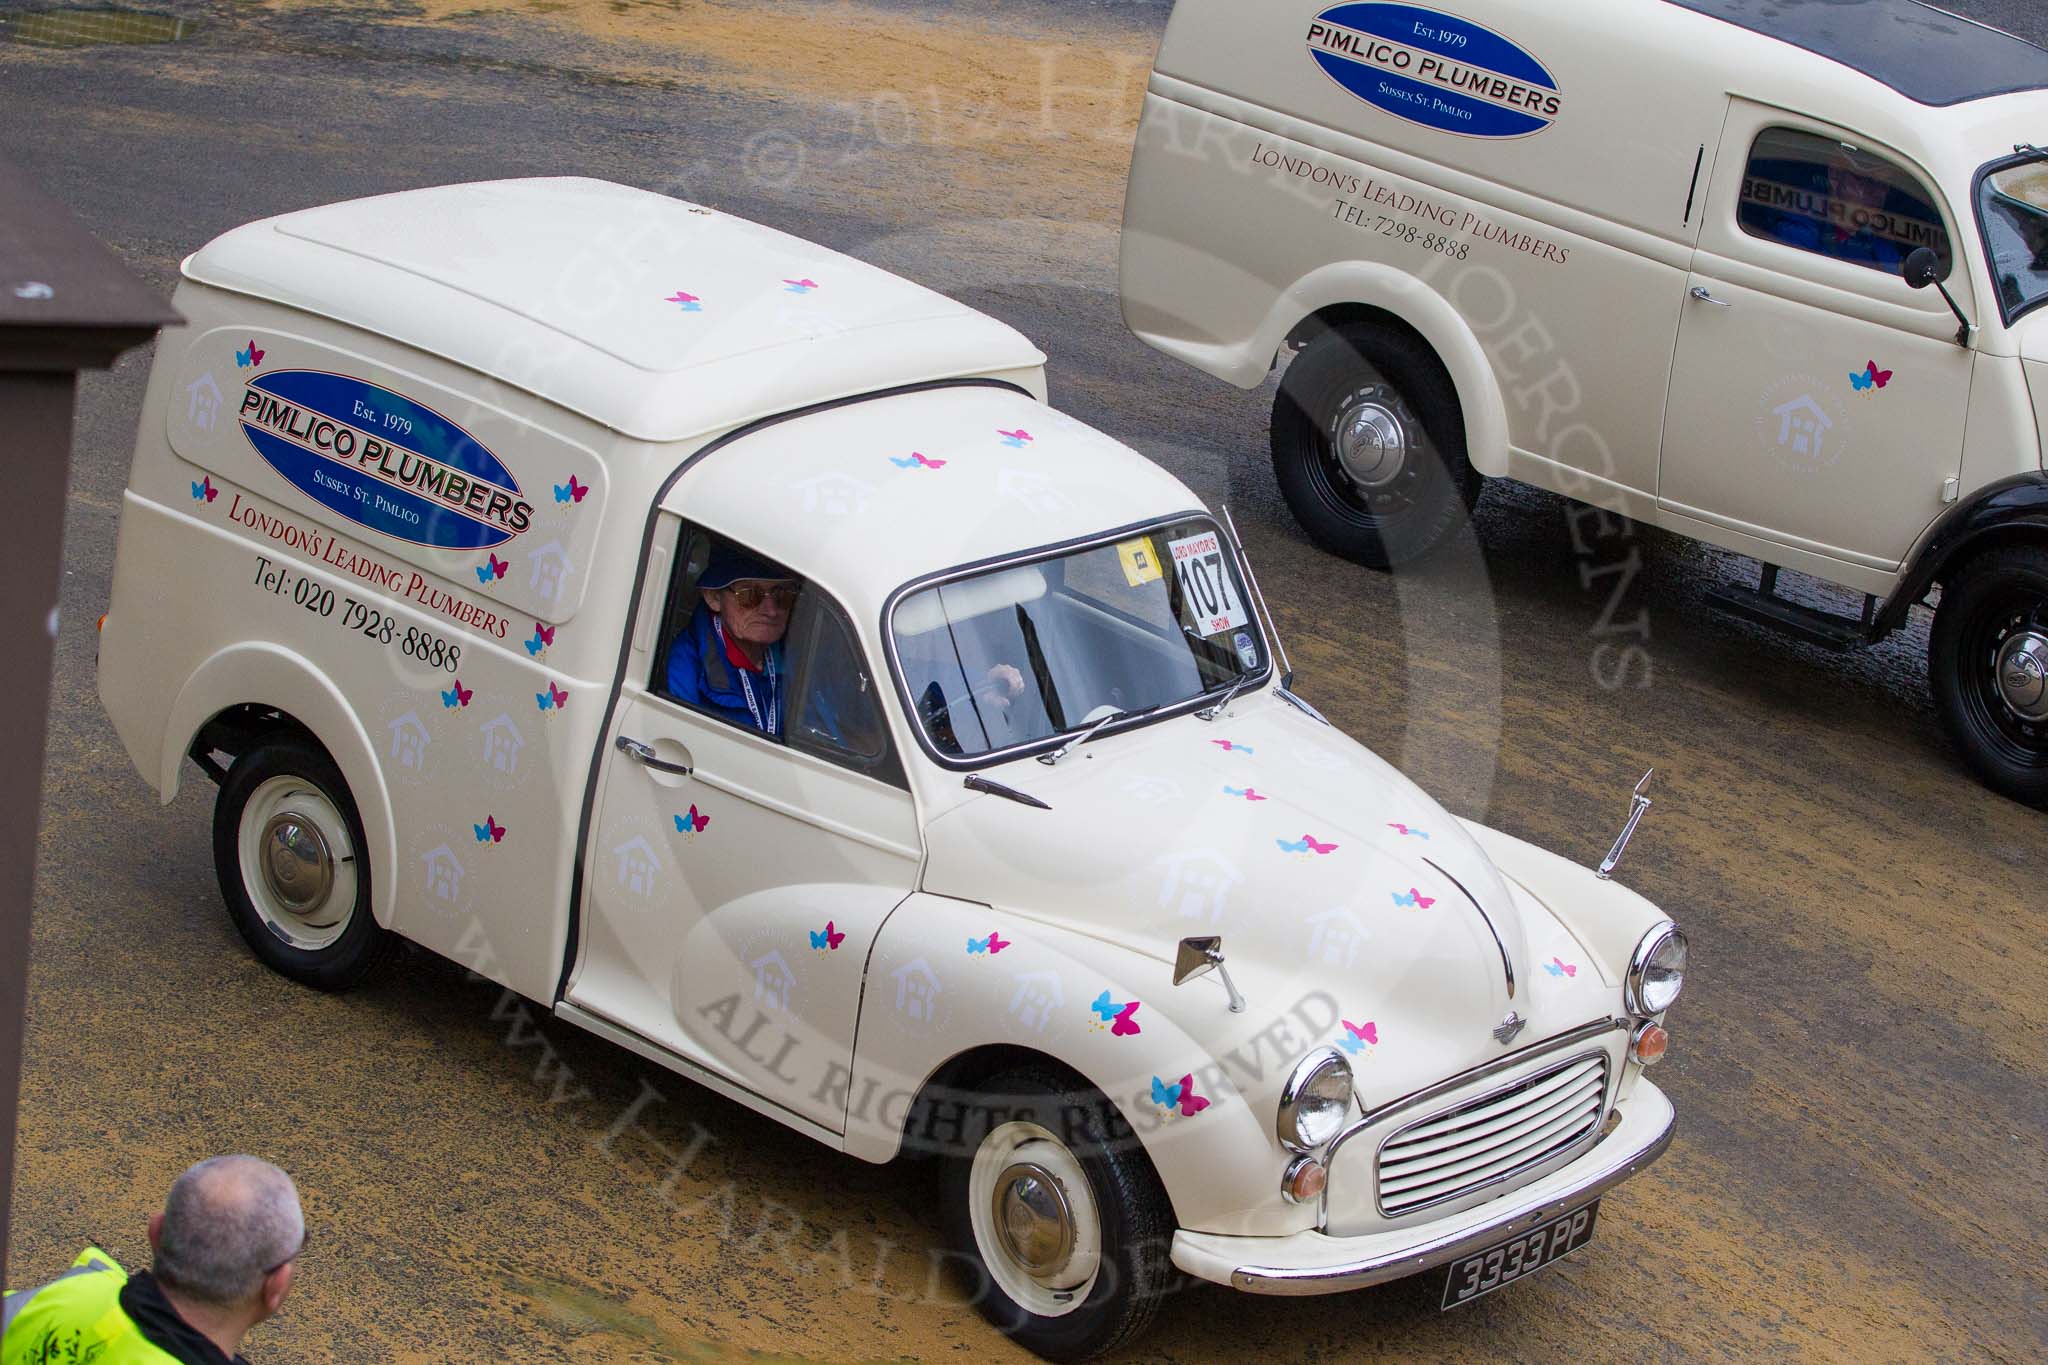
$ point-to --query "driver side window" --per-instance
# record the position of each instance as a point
(818, 696)
(1817, 194)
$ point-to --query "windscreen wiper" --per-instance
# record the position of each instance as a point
(1091, 732)
(1210, 713)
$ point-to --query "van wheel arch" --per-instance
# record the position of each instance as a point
(962, 1076)
(235, 730)
(219, 705)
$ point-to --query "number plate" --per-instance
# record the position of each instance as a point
(1488, 1270)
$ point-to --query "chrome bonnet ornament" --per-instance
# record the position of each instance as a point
(1628, 831)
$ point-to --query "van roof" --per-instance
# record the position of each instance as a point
(657, 318)
(864, 497)
(1926, 54)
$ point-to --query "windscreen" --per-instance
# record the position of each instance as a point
(2012, 204)
(1033, 650)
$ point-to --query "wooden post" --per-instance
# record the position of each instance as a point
(66, 304)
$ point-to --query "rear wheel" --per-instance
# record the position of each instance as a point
(1369, 446)
(1058, 1208)
(288, 849)
(1988, 658)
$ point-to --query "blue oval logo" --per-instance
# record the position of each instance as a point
(1435, 69)
(382, 460)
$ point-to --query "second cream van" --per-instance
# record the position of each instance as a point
(1772, 281)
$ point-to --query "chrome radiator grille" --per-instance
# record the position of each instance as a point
(1487, 1140)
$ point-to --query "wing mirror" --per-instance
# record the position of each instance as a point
(1199, 956)
(1922, 268)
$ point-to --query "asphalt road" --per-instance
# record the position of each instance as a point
(1859, 1171)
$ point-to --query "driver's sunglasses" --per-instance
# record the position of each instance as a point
(749, 595)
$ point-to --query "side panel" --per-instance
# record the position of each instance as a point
(1559, 341)
(931, 996)
(463, 721)
(1585, 103)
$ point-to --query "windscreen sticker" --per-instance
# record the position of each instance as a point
(1141, 563)
(382, 460)
(1205, 583)
(1435, 69)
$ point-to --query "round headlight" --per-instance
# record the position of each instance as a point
(1656, 974)
(1316, 1100)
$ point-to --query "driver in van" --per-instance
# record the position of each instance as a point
(730, 660)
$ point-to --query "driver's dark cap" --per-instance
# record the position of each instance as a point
(730, 565)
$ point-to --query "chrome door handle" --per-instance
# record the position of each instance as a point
(1699, 291)
(644, 753)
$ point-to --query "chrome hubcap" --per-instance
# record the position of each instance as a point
(1370, 441)
(297, 867)
(2022, 670)
(1032, 1220)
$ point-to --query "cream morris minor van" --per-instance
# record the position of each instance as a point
(1015, 851)
(1769, 275)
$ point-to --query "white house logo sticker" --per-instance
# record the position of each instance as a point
(1435, 69)
(382, 460)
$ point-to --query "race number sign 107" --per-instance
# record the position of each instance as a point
(1205, 583)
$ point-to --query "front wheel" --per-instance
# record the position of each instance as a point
(288, 849)
(1369, 446)
(1057, 1207)
(1988, 658)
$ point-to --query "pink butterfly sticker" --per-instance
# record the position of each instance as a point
(1191, 1104)
(1126, 1022)
(1316, 846)
(1368, 1032)
(1557, 966)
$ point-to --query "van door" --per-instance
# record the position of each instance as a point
(734, 881)
(1816, 402)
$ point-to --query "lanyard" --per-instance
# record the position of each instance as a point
(773, 723)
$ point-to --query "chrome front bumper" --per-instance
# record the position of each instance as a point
(1314, 1263)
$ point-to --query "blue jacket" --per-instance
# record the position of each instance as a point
(700, 674)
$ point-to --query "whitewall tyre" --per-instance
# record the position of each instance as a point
(1053, 1204)
(288, 849)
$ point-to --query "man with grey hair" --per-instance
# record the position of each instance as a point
(227, 1244)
